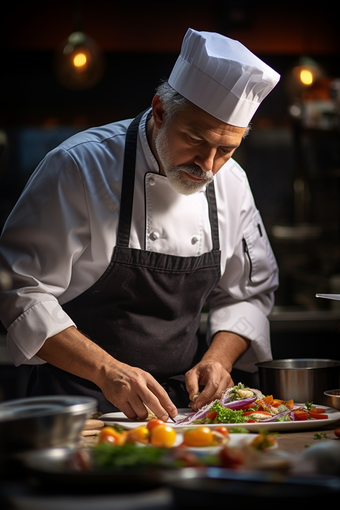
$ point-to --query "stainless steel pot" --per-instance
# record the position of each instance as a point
(303, 379)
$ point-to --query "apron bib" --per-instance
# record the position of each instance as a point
(144, 310)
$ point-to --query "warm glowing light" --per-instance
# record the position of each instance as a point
(79, 60)
(306, 77)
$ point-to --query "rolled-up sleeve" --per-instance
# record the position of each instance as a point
(44, 235)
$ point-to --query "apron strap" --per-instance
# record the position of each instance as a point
(128, 184)
(211, 196)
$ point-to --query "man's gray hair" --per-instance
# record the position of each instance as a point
(174, 102)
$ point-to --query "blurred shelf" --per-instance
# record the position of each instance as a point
(294, 319)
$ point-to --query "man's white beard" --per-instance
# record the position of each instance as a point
(175, 173)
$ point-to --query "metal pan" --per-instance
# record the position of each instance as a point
(42, 422)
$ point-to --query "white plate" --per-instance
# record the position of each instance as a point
(281, 426)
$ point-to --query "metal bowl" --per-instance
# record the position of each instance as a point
(334, 396)
(42, 422)
(302, 379)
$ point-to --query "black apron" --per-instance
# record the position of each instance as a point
(144, 310)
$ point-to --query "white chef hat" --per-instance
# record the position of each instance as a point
(222, 77)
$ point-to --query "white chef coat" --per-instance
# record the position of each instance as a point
(60, 236)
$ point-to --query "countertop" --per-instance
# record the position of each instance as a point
(23, 494)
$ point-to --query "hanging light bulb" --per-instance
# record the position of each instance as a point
(79, 63)
(306, 77)
(303, 76)
(307, 71)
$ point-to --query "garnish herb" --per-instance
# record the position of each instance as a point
(238, 430)
(108, 456)
(318, 435)
(226, 415)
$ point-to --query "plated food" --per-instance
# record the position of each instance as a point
(249, 408)
(241, 404)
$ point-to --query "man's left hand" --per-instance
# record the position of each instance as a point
(213, 371)
(215, 379)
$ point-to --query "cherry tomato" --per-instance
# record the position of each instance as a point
(154, 422)
(111, 435)
(163, 436)
(140, 434)
(337, 432)
(200, 436)
(222, 430)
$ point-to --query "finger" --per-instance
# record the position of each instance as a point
(192, 383)
(128, 411)
(137, 404)
(212, 391)
(159, 402)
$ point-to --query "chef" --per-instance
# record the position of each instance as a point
(124, 232)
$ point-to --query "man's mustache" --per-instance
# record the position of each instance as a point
(196, 171)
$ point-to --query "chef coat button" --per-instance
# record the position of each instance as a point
(154, 236)
(152, 181)
(194, 240)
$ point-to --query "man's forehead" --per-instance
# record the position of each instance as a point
(198, 121)
(220, 132)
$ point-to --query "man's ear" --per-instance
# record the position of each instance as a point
(157, 111)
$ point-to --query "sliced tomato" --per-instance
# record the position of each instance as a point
(251, 421)
(263, 413)
(318, 410)
(301, 415)
(317, 416)
(212, 415)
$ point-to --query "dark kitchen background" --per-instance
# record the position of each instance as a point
(292, 155)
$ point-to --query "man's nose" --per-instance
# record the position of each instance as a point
(205, 159)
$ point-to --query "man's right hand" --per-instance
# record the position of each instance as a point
(129, 388)
(126, 387)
